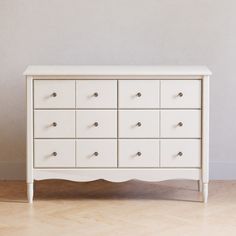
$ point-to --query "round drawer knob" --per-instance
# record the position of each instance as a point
(180, 154)
(54, 154)
(180, 94)
(139, 154)
(96, 154)
(95, 124)
(54, 124)
(139, 94)
(139, 124)
(180, 124)
(54, 94)
(95, 94)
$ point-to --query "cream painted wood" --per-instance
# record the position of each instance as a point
(138, 124)
(54, 94)
(116, 118)
(138, 153)
(96, 153)
(119, 70)
(96, 124)
(180, 124)
(139, 94)
(180, 153)
(54, 153)
(54, 124)
(181, 94)
(96, 94)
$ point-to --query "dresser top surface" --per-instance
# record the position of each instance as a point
(119, 70)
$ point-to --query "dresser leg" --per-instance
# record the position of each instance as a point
(199, 182)
(205, 192)
(30, 192)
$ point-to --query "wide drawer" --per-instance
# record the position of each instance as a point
(180, 153)
(138, 124)
(54, 124)
(138, 153)
(96, 153)
(54, 153)
(54, 94)
(180, 94)
(96, 94)
(139, 93)
(181, 124)
(96, 124)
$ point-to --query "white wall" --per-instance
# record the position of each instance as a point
(117, 32)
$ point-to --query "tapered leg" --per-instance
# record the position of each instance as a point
(205, 192)
(30, 192)
(199, 182)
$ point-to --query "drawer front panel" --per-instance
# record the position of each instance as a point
(54, 124)
(181, 124)
(180, 153)
(54, 94)
(96, 94)
(180, 94)
(54, 153)
(138, 153)
(96, 153)
(96, 124)
(139, 124)
(139, 94)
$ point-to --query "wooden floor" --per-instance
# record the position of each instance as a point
(103, 208)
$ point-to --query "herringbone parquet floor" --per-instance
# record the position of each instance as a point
(123, 209)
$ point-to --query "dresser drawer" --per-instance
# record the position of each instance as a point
(54, 94)
(180, 94)
(138, 153)
(96, 93)
(54, 153)
(181, 124)
(96, 153)
(54, 124)
(180, 153)
(139, 93)
(138, 124)
(96, 124)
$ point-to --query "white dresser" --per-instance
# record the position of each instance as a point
(117, 123)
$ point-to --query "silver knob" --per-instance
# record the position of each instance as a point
(54, 154)
(54, 124)
(54, 94)
(180, 124)
(95, 124)
(180, 94)
(95, 94)
(139, 154)
(139, 124)
(138, 94)
(96, 154)
(180, 154)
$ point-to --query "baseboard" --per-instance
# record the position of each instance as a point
(12, 171)
(218, 170)
(222, 170)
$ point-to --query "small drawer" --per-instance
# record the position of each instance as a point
(139, 93)
(96, 124)
(180, 153)
(181, 124)
(139, 124)
(180, 94)
(96, 94)
(54, 124)
(54, 153)
(138, 153)
(96, 153)
(54, 94)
